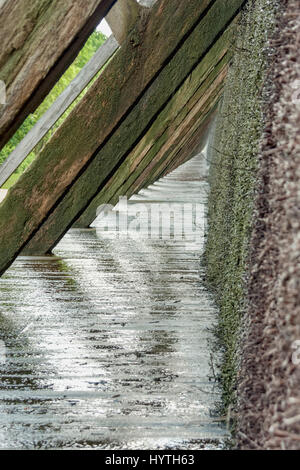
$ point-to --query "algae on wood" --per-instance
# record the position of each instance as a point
(39, 40)
(117, 111)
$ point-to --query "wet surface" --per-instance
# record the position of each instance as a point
(106, 345)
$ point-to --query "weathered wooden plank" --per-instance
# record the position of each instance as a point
(39, 40)
(89, 147)
(165, 128)
(192, 141)
(121, 141)
(51, 116)
(184, 150)
(179, 149)
(200, 91)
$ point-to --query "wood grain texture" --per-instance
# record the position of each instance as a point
(51, 116)
(199, 92)
(182, 110)
(39, 40)
(127, 98)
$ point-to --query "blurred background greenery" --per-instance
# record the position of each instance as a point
(89, 49)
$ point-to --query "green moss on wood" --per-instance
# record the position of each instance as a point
(186, 58)
(50, 184)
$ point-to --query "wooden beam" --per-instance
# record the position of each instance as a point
(196, 94)
(200, 88)
(189, 145)
(39, 41)
(3, 193)
(191, 134)
(58, 108)
(116, 112)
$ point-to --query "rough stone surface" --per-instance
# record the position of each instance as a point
(108, 343)
(269, 385)
(253, 246)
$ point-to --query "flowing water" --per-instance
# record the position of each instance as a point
(107, 344)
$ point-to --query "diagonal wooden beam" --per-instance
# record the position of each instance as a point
(199, 92)
(58, 108)
(190, 144)
(39, 40)
(117, 111)
(207, 70)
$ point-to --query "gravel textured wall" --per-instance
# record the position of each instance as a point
(269, 382)
(253, 246)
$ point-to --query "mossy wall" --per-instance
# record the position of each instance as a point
(233, 154)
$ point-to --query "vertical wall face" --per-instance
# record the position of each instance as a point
(233, 178)
(254, 237)
(38, 41)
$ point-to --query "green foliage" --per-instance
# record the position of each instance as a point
(89, 49)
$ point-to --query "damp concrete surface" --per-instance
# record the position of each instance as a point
(107, 344)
